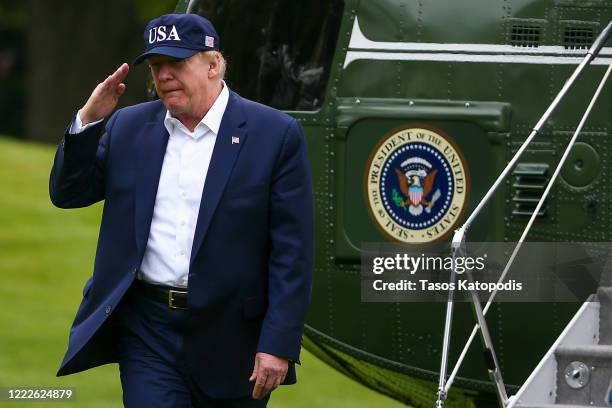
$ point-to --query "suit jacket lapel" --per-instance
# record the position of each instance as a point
(151, 144)
(224, 155)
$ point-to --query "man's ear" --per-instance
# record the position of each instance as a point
(213, 66)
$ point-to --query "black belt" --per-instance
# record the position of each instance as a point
(175, 298)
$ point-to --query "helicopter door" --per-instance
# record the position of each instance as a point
(411, 170)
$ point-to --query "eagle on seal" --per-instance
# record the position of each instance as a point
(412, 189)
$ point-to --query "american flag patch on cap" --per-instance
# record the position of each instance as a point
(209, 41)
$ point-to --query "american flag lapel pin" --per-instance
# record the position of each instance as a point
(235, 140)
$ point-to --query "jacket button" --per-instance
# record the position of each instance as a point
(135, 271)
(108, 309)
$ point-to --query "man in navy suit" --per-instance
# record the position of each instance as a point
(203, 269)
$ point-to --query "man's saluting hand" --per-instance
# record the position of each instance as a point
(105, 96)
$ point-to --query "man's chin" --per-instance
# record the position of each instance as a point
(174, 109)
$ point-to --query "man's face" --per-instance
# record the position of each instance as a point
(183, 85)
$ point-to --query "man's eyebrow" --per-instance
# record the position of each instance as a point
(166, 61)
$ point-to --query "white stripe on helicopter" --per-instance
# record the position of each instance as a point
(361, 47)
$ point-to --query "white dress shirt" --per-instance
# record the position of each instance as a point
(183, 172)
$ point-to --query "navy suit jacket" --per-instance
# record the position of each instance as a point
(251, 264)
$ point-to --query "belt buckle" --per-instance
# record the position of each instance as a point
(171, 299)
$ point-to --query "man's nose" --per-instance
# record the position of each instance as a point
(165, 72)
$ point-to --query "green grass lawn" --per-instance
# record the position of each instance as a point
(46, 257)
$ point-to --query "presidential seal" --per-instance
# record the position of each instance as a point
(416, 185)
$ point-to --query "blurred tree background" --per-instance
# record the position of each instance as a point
(12, 67)
(52, 54)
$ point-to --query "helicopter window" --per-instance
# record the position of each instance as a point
(278, 52)
(576, 38)
(525, 36)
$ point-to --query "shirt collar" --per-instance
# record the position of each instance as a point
(212, 119)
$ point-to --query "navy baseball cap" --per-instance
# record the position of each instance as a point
(178, 36)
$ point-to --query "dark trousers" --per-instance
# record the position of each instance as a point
(151, 359)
